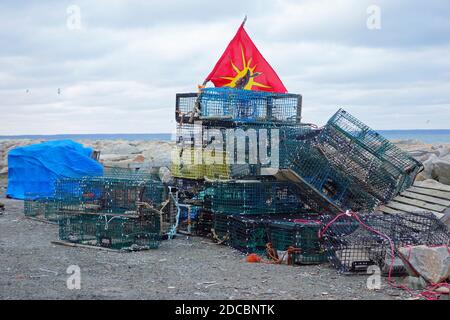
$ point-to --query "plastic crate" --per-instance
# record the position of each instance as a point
(301, 233)
(227, 104)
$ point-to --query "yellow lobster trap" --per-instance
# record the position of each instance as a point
(197, 163)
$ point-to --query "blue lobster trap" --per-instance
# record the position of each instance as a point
(227, 104)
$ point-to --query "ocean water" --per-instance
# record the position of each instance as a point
(427, 136)
(423, 135)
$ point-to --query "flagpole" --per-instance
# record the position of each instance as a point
(245, 20)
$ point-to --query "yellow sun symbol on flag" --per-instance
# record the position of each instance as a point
(245, 78)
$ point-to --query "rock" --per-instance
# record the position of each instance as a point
(415, 283)
(441, 170)
(432, 263)
(165, 175)
(120, 148)
(442, 290)
(140, 158)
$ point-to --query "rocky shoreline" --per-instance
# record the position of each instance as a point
(122, 153)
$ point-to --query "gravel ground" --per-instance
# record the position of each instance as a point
(184, 268)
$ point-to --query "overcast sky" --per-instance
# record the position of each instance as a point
(119, 73)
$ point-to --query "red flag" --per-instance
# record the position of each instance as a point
(242, 66)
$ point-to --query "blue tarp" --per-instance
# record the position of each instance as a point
(33, 170)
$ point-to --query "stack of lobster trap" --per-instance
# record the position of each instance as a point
(252, 175)
(122, 209)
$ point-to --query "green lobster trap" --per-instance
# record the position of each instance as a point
(42, 207)
(78, 228)
(221, 227)
(248, 234)
(322, 177)
(115, 232)
(301, 233)
(108, 195)
(123, 232)
(254, 197)
(372, 158)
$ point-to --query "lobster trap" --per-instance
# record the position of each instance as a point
(227, 104)
(186, 107)
(352, 246)
(123, 232)
(115, 232)
(248, 234)
(301, 233)
(42, 207)
(108, 195)
(221, 227)
(370, 157)
(322, 183)
(254, 197)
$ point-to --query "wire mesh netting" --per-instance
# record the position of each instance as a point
(352, 247)
(246, 105)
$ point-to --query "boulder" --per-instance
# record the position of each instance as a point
(121, 148)
(431, 263)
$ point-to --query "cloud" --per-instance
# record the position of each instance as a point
(121, 71)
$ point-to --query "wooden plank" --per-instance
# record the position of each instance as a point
(430, 192)
(434, 186)
(385, 209)
(41, 220)
(423, 197)
(409, 208)
(420, 204)
(79, 245)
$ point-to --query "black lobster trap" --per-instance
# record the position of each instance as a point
(352, 245)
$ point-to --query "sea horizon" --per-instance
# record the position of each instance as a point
(422, 135)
